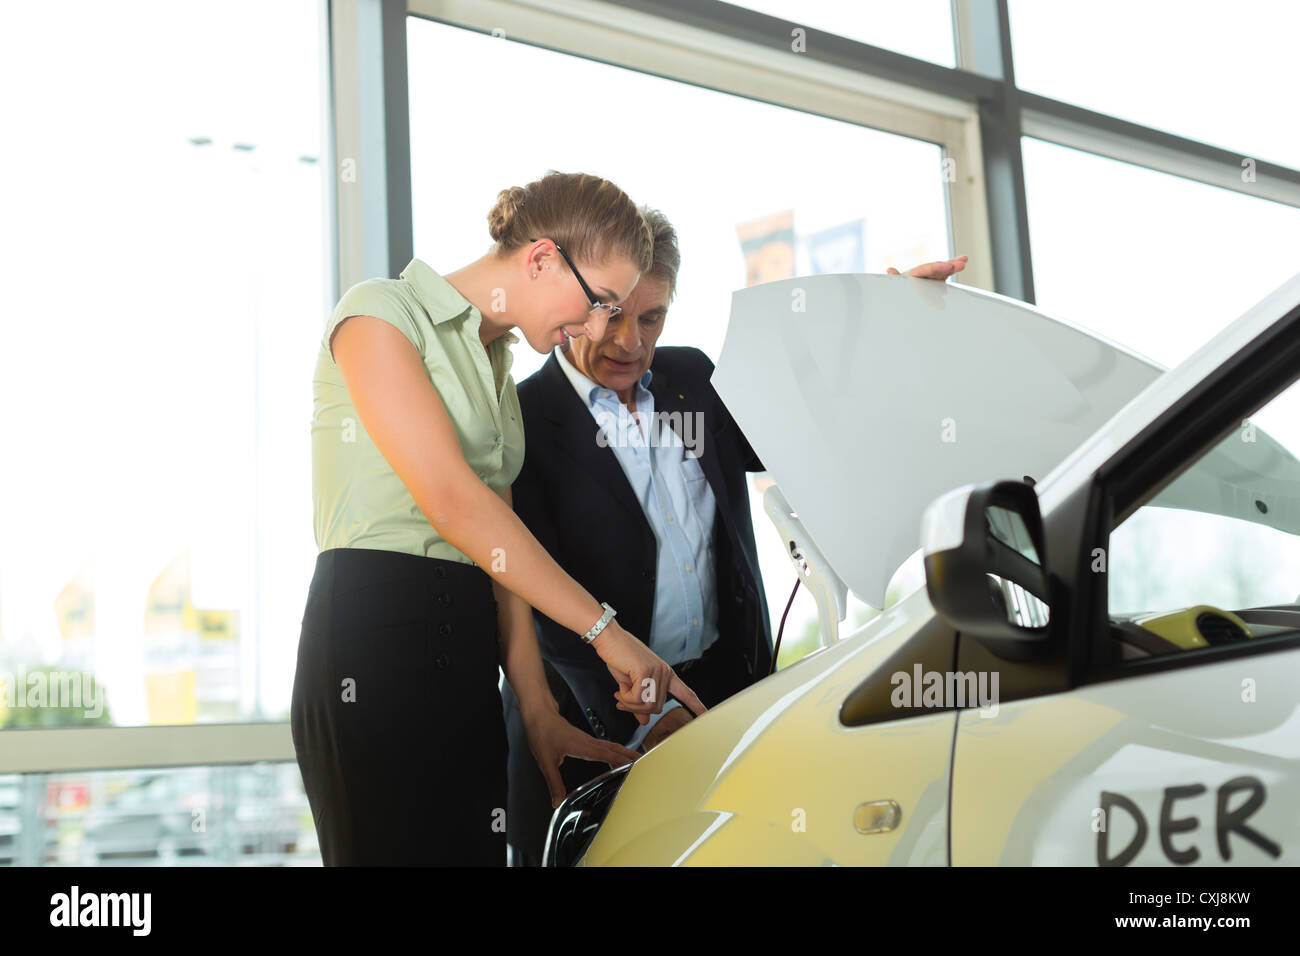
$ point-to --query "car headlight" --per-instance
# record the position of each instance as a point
(576, 820)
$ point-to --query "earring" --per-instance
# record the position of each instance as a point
(534, 275)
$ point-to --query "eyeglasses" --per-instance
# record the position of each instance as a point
(613, 310)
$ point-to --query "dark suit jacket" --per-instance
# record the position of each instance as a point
(574, 497)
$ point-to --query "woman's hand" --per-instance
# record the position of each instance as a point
(645, 681)
(675, 719)
(551, 738)
(933, 270)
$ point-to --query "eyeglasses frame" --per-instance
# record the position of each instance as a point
(586, 289)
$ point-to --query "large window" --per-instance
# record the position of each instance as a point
(1157, 263)
(1214, 72)
(165, 263)
(1161, 264)
(857, 199)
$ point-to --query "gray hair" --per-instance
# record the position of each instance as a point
(667, 257)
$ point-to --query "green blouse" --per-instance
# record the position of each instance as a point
(359, 501)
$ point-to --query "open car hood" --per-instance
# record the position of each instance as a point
(868, 396)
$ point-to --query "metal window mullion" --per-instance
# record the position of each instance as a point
(968, 222)
(983, 38)
(1067, 125)
(606, 33)
(371, 139)
(775, 33)
(397, 137)
(75, 749)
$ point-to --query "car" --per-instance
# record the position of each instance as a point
(179, 813)
(11, 804)
(1095, 658)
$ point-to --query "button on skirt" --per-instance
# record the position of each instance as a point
(396, 712)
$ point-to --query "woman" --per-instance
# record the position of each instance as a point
(425, 579)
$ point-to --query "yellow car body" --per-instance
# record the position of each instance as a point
(763, 778)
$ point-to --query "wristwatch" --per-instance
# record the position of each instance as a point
(599, 626)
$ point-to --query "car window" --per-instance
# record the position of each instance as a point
(1214, 556)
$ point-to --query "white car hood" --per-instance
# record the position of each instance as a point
(868, 396)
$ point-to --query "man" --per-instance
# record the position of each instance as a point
(634, 481)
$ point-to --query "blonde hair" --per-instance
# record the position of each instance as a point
(590, 217)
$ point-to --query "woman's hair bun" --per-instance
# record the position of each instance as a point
(590, 216)
(502, 216)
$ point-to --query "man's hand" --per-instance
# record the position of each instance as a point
(934, 270)
(675, 719)
(551, 738)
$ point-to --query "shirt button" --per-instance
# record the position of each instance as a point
(688, 569)
(695, 622)
(670, 517)
(498, 440)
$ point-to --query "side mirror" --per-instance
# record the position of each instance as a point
(985, 564)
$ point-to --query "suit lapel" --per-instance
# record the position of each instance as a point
(574, 432)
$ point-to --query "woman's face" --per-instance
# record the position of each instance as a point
(558, 307)
(623, 355)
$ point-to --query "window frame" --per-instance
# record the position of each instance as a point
(1199, 420)
(734, 50)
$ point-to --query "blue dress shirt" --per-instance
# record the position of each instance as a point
(678, 503)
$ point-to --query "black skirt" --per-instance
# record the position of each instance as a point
(396, 712)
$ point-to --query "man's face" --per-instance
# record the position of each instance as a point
(619, 359)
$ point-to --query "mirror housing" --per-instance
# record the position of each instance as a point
(986, 566)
